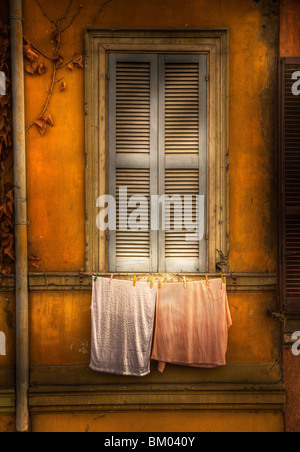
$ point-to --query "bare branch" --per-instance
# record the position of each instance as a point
(57, 81)
(55, 57)
(44, 12)
(99, 12)
(66, 64)
(51, 87)
(73, 19)
(41, 52)
(7, 169)
(67, 12)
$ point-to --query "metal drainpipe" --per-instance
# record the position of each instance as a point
(22, 336)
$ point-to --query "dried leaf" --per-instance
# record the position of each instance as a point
(9, 251)
(26, 41)
(57, 35)
(60, 60)
(78, 60)
(49, 120)
(31, 54)
(10, 206)
(36, 262)
(10, 195)
(5, 271)
(32, 257)
(5, 210)
(63, 86)
(40, 122)
(42, 130)
(30, 66)
(42, 69)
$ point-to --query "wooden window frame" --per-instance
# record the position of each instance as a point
(213, 43)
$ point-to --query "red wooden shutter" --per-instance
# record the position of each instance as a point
(289, 184)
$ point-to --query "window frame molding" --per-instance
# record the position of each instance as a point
(215, 44)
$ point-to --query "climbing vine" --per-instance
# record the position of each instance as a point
(6, 160)
(36, 64)
(34, 67)
(7, 253)
(33, 55)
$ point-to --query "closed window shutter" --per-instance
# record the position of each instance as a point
(183, 156)
(157, 146)
(289, 184)
(132, 157)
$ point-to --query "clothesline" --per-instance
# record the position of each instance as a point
(152, 276)
(162, 274)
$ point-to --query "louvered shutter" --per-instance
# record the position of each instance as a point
(289, 183)
(132, 157)
(157, 146)
(182, 155)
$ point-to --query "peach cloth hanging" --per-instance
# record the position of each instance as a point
(192, 323)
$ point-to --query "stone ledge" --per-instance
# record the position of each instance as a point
(158, 398)
(7, 401)
(69, 282)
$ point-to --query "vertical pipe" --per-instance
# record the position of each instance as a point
(22, 337)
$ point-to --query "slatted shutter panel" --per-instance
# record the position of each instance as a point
(157, 146)
(289, 183)
(132, 156)
(182, 154)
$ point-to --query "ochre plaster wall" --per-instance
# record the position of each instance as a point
(56, 162)
(60, 322)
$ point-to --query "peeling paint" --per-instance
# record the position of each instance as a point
(84, 348)
(81, 347)
(60, 323)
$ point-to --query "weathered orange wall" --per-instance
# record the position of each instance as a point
(164, 422)
(289, 28)
(60, 330)
(56, 162)
(60, 322)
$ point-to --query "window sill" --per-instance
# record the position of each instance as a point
(82, 282)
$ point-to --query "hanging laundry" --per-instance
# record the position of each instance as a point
(122, 326)
(192, 322)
